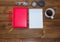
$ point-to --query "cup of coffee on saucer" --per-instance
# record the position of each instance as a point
(49, 13)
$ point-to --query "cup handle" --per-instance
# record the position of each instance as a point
(52, 17)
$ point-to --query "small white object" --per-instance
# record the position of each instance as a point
(34, 4)
(25, 3)
(35, 18)
(53, 13)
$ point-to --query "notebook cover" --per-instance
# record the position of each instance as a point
(35, 18)
(20, 17)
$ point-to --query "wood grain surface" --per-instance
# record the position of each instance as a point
(51, 27)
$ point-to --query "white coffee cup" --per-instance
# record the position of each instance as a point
(52, 15)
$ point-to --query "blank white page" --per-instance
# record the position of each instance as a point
(35, 18)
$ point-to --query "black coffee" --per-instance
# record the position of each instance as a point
(49, 12)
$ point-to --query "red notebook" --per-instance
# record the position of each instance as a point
(20, 17)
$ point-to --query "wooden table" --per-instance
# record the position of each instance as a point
(51, 27)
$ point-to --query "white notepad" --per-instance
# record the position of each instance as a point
(35, 18)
